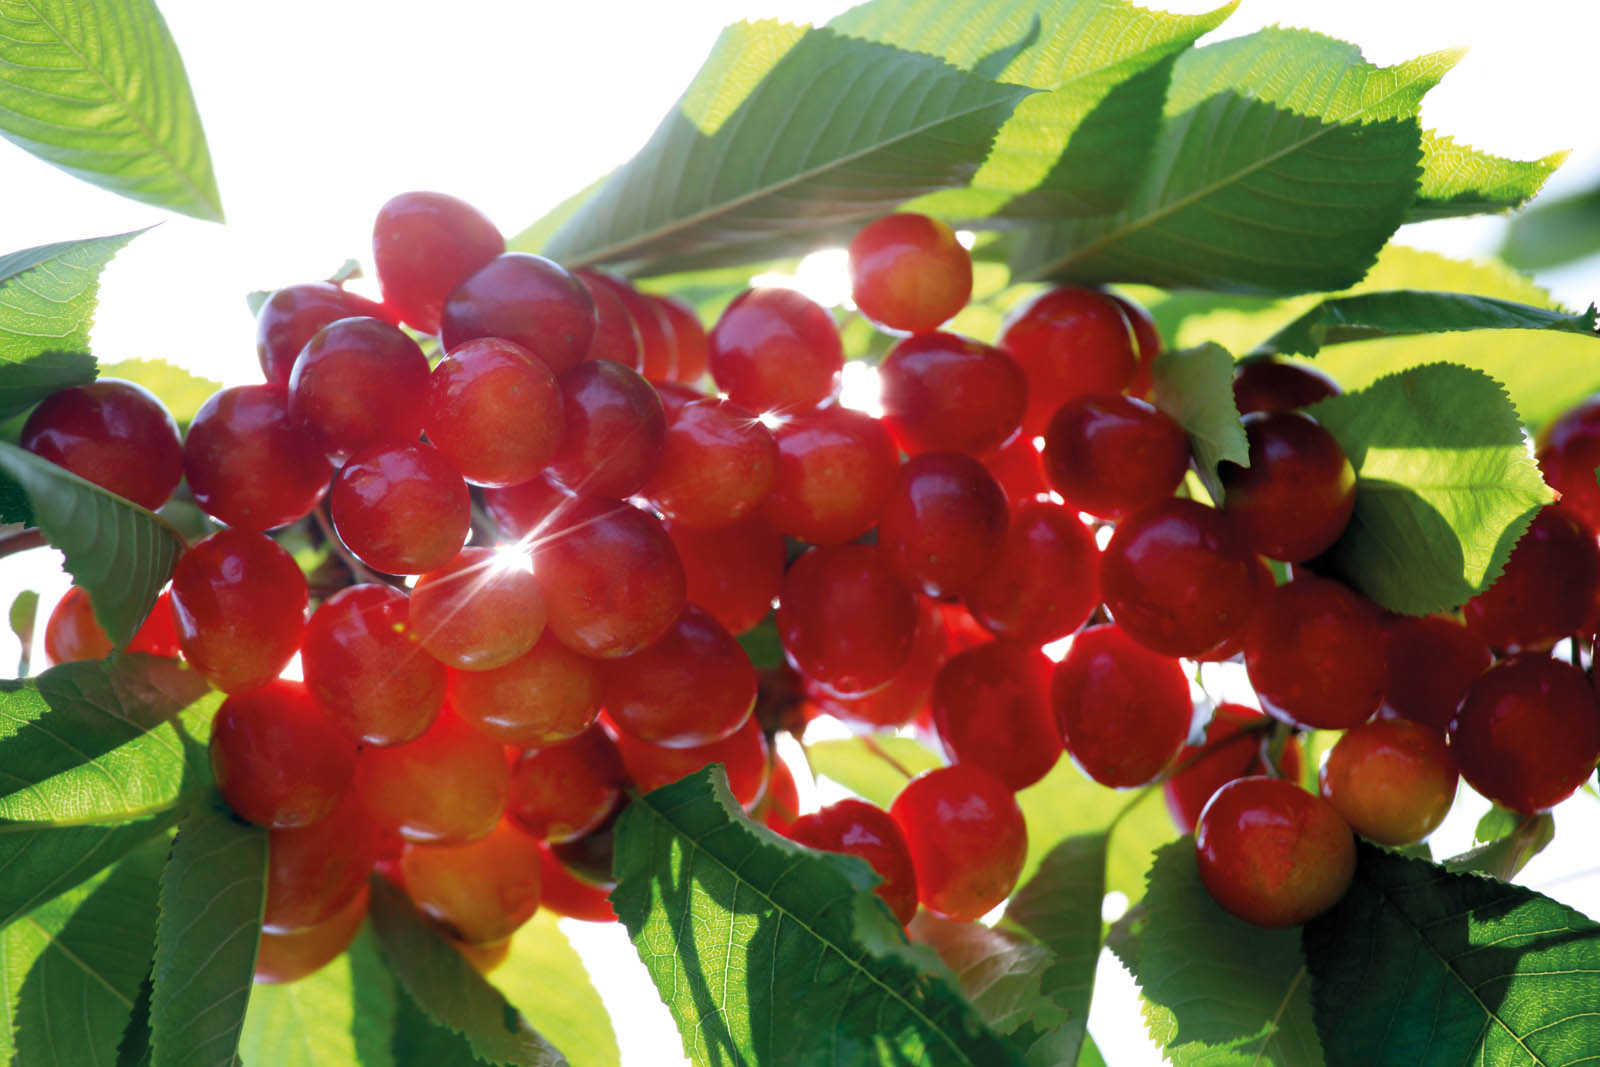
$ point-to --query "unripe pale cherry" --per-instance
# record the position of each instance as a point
(908, 272)
(481, 891)
(1393, 780)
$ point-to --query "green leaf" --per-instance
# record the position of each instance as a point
(1067, 803)
(532, 238)
(1496, 823)
(71, 968)
(787, 138)
(181, 391)
(1398, 313)
(1103, 65)
(1060, 906)
(99, 90)
(47, 301)
(1504, 856)
(766, 951)
(1195, 387)
(544, 978)
(1219, 990)
(121, 554)
(447, 988)
(1417, 965)
(23, 615)
(94, 766)
(762, 644)
(1444, 486)
(1458, 180)
(1554, 232)
(1282, 165)
(859, 764)
(212, 893)
(134, 1048)
(420, 1041)
(341, 1014)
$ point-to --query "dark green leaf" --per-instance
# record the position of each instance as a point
(1553, 232)
(765, 951)
(1503, 857)
(212, 894)
(1283, 164)
(1195, 387)
(134, 1048)
(1417, 965)
(873, 768)
(420, 1041)
(341, 1014)
(181, 391)
(73, 966)
(1219, 990)
(762, 644)
(1069, 149)
(100, 91)
(788, 137)
(544, 978)
(447, 988)
(1444, 489)
(121, 554)
(1371, 316)
(1060, 907)
(1460, 180)
(93, 767)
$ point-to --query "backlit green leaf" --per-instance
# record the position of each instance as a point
(1195, 387)
(873, 768)
(1553, 232)
(1458, 179)
(341, 1014)
(1067, 803)
(180, 391)
(1507, 853)
(544, 978)
(1398, 313)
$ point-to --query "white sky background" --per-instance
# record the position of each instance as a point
(318, 112)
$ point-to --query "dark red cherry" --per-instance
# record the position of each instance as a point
(1315, 655)
(845, 619)
(1232, 747)
(359, 383)
(402, 509)
(495, 411)
(1112, 455)
(693, 346)
(1045, 583)
(1068, 342)
(1123, 710)
(1569, 454)
(904, 698)
(657, 339)
(1297, 495)
(239, 601)
(944, 522)
(732, 571)
(718, 463)
(423, 246)
(278, 761)
(692, 686)
(113, 433)
(615, 431)
(1546, 589)
(616, 338)
(1272, 385)
(249, 464)
(1149, 344)
(991, 707)
(944, 393)
(525, 299)
(1433, 660)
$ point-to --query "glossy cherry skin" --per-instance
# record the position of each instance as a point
(248, 464)
(481, 610)
(905, 697)
(944, 523)
(1272, 385)
(1297, 495)
(1232, 747)
(1068, 342)
(775, 350)
(856, 828)
(532, 510)
(966, 837)
(846, 620)
(402, 509)
(615, 431)
(562, 892)
(744, 756)
(288, 957)
(835, 469)
(1045, 583)
(366, 669)
(1433, 660)
(1019, 468)
(480, 891)
(1148, 344)
(1546, 589)
(1112, 455)
(566, 790)
(692, 344)
(1393, 780)
(718, 463)
(315, 870)
(450, 784)
(616, 338)
(1528, 733)
(290, 316)
(1569, 453)
(908, 272)
(239, 602)
(547, 695)
(423, 246)
(732, 571)
(657, 352)
(991, 707)
(113, 433)
(944, 393)
(612, 581)
(528, 300)
(1122, 710)
(692, 686)
(358, 383)
(495, 411)
(73, 633)
(1315, 655)
(1178, 578)
(277, 759)
(1272, 854)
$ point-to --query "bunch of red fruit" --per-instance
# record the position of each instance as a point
(584, 528)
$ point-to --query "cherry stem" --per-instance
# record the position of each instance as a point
(358, 570)
(883, 754)
(21, 541)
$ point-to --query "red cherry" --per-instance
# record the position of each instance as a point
(449, 784)
(1111, 455)
(657, 340)
(835, 469)
(1546, 589)
(732, 571)
(566, 790)
(1297, 495)
(1149, 344)
(495, 411)
(531, 511)
(423, 246)
(1433, 661)
(113, 433)
(1068, 342)
(1315, 655)
(966, 837)
(547, 695)
(1231, 748)
(856, 828)
(743, 755)
(1271, 385)
(1272, 854)
(1393, 780)
(944, 522)
(527, 300)
(1045, 584)
(1122, 710)
(775, 350)
(1528, 732)
(402, 509)
(248, 464)
(239, 602)
(909, 272)
(480, 891)
(289, 317)
(359, 383)
(561, 892)
(367, 671)
(73, 633)
(616, 338)
(694, 685)
(481, 610)
(692, 344)
(291, 956)
(615, 430)
(278, 761)
(1569, 453)
(944, 393)
(846, 621)
(1019, 468)
(903, 698)
(313, 871)
(991, 707)
(718, 463)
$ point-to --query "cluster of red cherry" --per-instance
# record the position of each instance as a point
(621, 526)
